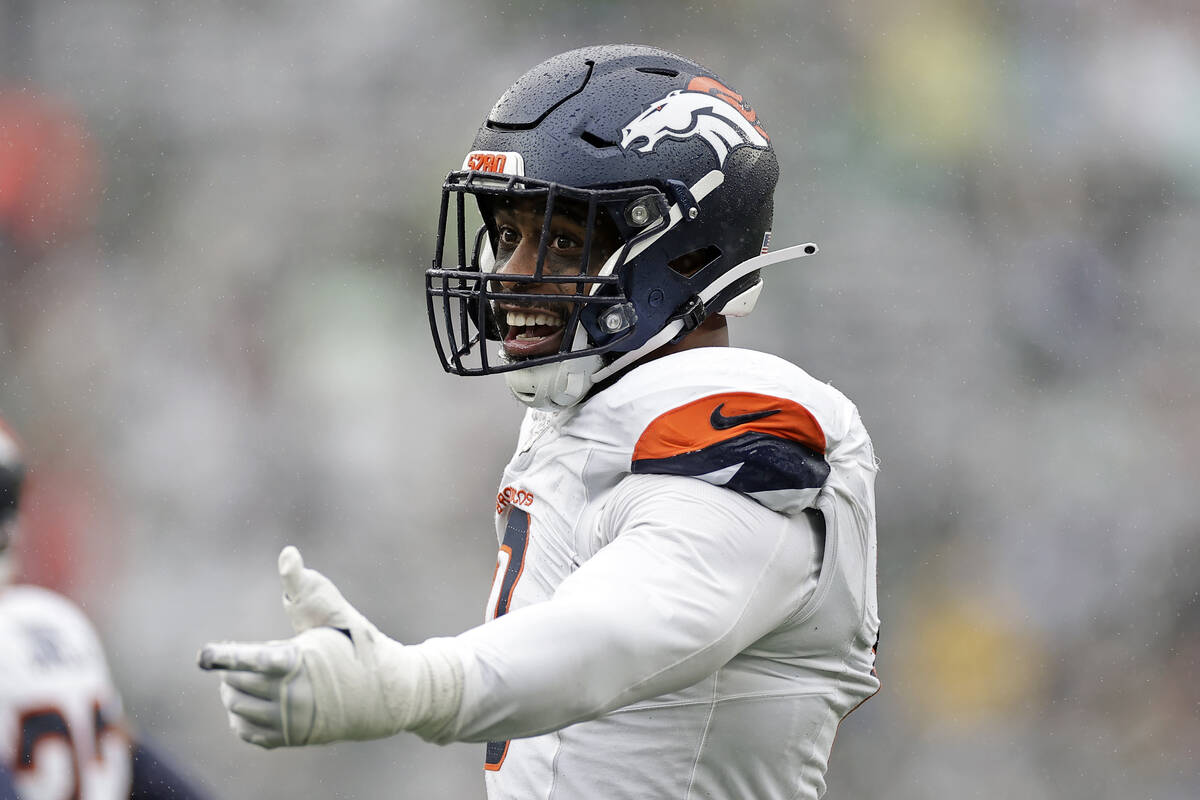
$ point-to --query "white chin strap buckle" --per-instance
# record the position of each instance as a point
(553, 387)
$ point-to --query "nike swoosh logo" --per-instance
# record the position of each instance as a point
(721, 422)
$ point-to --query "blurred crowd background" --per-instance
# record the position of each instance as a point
(213, 222)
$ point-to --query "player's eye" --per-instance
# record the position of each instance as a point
(508, 237)
(564, 242)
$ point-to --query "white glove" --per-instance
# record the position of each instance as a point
(338, 678)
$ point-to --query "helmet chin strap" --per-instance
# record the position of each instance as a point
(556, 386)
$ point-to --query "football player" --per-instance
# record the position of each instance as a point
(684, 601)
(63, 733)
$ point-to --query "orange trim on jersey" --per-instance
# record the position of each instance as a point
(690, 427)
(496, 767)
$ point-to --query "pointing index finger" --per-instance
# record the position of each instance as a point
(265, 658)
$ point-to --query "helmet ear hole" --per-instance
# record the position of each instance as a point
(692, 262)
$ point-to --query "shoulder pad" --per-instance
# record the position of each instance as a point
(761, 445)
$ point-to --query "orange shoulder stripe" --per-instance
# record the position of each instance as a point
(719, 417)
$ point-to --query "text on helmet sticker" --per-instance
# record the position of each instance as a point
(509, 163)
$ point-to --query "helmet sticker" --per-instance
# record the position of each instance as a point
(500, 163)
(706, 108)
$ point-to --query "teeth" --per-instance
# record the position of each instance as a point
(519, 319)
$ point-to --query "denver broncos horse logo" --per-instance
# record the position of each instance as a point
(706, 109)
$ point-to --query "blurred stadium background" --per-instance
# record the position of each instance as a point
(212, 337)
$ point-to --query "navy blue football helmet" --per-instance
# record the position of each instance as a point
(645, 151)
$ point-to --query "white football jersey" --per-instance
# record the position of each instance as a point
(684, 602)
(62, 729)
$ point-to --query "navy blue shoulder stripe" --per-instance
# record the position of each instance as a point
(767, 463)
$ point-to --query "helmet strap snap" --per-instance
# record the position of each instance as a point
(692, 314)
(682, 196)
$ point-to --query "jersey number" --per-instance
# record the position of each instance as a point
(47, 723)
(509, 565)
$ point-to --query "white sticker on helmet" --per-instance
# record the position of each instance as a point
(508, 163)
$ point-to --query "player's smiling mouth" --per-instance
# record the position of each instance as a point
(529, 332)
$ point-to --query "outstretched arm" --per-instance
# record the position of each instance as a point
(693, 575)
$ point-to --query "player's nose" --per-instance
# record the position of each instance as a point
(523, 262)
